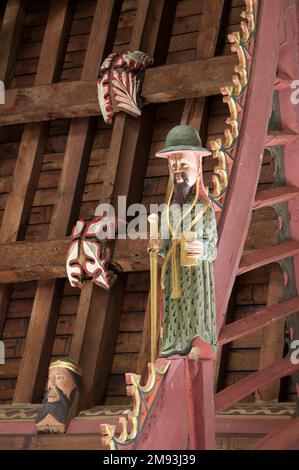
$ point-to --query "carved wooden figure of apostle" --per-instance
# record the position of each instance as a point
(188, 245)
(64, 380)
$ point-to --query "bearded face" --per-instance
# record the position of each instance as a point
(184, 170)
(58, 409)
(61, 389)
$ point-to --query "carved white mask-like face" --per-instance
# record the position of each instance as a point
(184, 167)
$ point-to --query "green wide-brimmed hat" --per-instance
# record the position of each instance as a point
(182, 138)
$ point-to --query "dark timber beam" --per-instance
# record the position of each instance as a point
(10, 38)
(45, 259)
(273, 334)
(79, 98)
(22, 261)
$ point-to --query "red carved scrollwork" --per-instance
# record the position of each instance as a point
(119, 83)
(89, 257)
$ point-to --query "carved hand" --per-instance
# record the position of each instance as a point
(154, 246)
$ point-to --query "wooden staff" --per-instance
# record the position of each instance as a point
(154, 235)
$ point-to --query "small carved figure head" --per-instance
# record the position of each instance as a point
(119, 83)
(184, 151)
(63, 381)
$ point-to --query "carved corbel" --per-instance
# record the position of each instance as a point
(119, 83)
(89, 255)
(64, 380)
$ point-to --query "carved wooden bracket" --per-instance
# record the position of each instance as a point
(89, 257)
(119, 83)
(64, 380)
(143, 398)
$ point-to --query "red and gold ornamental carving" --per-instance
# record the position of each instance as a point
(119, 83)
(225, 149)
(132, 422)
(89, 257)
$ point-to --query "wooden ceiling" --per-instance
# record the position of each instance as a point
(66, 166)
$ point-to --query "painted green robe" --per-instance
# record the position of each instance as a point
(193, 314)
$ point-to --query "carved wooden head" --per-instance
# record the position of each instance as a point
(63, 380)
(184, 151)
(60, 378)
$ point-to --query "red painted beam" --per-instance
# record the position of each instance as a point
(248, 385)
(183, 416)
(77, 426)
(270, 197)
(51, 442)
(236, 215)
(257, 320)
(17, 427)
(167, 428)
(92, 426)
(248, 425)
(289, 111)
(284, 137)
(201, 412)
(264, 256)
(284, 437)
(282, 82)
(224, 425)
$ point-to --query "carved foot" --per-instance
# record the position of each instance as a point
(201, 350)
(194, 354)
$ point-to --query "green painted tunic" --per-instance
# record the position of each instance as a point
(193, 314)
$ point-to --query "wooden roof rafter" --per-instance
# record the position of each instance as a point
(10, 38)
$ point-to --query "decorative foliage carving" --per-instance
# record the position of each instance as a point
(143, 398)
(89, 257)
(119, 83)
(224, 150)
